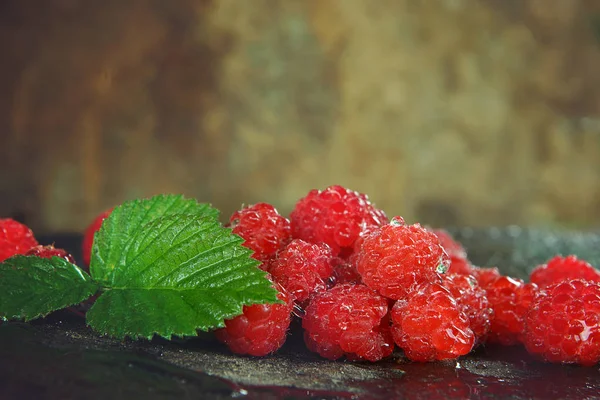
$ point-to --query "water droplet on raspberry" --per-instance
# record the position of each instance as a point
(441, 268)
(298, 311)
(397, 221)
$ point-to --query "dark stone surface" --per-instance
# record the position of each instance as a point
(60, 358)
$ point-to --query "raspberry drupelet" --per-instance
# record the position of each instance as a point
(485, 276)
(563, 323)
(303, 268)
(429, 325)
(261, 329)
(510, 299)
(348, 320)
(560, 269)
(336, 216)
(49, 252)
(263, 229)
(15, 238)
(396, 258)
(88, 236)
(472, 300)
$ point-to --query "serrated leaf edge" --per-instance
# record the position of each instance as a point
(85, 277)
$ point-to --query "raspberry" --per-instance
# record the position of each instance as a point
(88, 237)
(458, 256)
(397, 258)
(560, 269)
(263, 229)
(472, 300)
(15, 238)
(429, 325)
(49, 252)
(261, 329)
(485, 276)
(336, 216)
(510, 299)
(345, 272)
(460, 266)
(453, 248)
(303, 268)
(348, 320)
(563, 323)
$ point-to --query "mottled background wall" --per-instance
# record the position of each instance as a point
(452, 112)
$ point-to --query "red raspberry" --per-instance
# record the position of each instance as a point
(303, 268)
(88, 237)
(560, 269)
(261, 329)
(345, 272)
(49, 252)
(263, 229)
(510, 299)
(472, 300)
(460, 266)
(348, 320)
(563, 323)
(336, 216)
(485, 276)
(458, 256)
(397, 258)
(429, 325)
(453, 248)
(15, 238)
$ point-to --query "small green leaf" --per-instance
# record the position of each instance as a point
(32, 287)
(175, 275)
(112, 242)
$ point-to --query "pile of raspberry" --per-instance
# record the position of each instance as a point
(364, 285)
(17, 239)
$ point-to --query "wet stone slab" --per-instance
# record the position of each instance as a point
(60, 358)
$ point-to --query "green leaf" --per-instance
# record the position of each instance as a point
(32, 287)
(112, 241)
(174, 275)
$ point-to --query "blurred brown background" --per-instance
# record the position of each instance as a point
(451, 112)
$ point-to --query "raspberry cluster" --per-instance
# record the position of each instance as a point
(17, 239)
(365, 285)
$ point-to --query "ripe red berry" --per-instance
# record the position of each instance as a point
(261, 329)
(560, 269)
(303, 268)
(348, 320)
(88, 236)
(453, 248)
(429, 325)
(15, 238)
(459, 264)
(49, 252)
(563, 323)
(510, 299)
(485, 276)
(472, 300)
(345, 272)
(336, 216)
(264, 231)
(397, 258)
